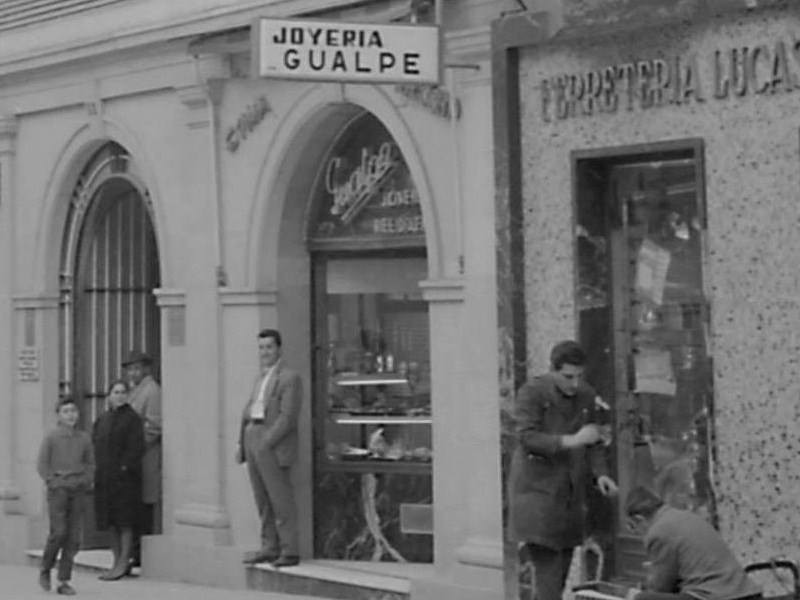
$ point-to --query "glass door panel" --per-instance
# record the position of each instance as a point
(372, 410)
(644, 319)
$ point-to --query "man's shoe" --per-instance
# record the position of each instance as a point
(44, 580)
(65, 589)
(259, 556)
(286, 561)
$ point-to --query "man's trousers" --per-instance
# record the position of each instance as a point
(65, 507)
(273, 492)
(551, 568)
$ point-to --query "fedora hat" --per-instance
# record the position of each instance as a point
(137, 356)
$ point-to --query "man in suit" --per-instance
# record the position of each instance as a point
(145, 399)
(688, 557)
(557, 431)
(268, 444)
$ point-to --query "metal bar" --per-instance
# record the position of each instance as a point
(114, 289)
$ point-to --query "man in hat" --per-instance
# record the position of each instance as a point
(145, 398)
(268, 444)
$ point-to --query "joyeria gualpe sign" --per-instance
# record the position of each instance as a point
(357, 52)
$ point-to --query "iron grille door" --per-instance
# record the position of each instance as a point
(114, 309)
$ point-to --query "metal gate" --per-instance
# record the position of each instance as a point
(109, 270)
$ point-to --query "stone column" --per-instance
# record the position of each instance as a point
(198, 545)
(12, 521)
(9, 491)
(34, 384)
(200, 511)
(481, 550)
(243, 311)
(466, 503)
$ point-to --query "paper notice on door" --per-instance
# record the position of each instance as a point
(654, 373)
(651, 271)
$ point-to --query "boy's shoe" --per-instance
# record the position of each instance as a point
(44, 580)
(65, 589)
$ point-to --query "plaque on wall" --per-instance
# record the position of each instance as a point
(28, 364)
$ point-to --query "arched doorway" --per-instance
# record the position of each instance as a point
(372, 428)
(109, 269)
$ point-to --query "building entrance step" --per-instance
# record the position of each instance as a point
(330, 579)
(340, 579)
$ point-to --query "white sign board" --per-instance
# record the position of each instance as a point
(28, 364)
(356, 52)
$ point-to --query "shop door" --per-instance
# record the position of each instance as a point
(114, 306)
(644, 319)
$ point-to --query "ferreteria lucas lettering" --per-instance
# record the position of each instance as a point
(679, 80)
(325, 36)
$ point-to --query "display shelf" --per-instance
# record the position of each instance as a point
(381, 420)
(363, 379)
(378, 466)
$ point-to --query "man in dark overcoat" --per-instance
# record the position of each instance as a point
(557, 432)
(268, 444)
(145, 399)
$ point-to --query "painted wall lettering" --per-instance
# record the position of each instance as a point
(678, 80)
(436, 99)
(253, 115)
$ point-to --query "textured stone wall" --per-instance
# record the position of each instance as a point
(752, 175)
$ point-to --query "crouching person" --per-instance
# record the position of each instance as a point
(688, 558)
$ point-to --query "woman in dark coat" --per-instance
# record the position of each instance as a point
(118, 437)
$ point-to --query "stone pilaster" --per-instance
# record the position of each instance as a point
(9, 491)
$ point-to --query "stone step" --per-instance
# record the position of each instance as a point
(333, 579)
(342, 580)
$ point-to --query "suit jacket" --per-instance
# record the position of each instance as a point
(145, 399)
(547, 482)
(283, 398)
(689, 556)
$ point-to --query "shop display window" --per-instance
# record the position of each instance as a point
(644, 319)
(373, 453)
(377, 370)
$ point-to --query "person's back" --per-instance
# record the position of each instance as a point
(684, 548)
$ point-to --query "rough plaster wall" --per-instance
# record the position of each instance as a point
(609, 12)
(752, 186)
(592, 13)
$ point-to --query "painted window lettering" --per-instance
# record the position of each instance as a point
(360, 186)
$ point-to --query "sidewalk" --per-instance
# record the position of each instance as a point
(21, 583)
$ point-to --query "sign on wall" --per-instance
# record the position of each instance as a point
(358, 52)
(28, 364)
(679, 80)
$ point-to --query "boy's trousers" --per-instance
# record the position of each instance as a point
(65, 507)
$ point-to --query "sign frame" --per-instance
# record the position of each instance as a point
(258, 36)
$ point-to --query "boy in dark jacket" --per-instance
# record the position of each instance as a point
(66, 464)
